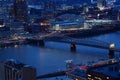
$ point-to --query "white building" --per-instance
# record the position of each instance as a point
(65, 25)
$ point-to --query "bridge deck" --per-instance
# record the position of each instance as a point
(85, 42)
(61, 73)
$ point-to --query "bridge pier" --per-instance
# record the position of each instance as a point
(73, 47)
(42, 43)
(111, 51)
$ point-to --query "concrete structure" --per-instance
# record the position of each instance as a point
(92, 23)
(20, 10)
(13, 70)
(101, 4)
(1, 71)
(77, 74)
(65, 25)
(50, 5)
(73, 42)
(110, 71)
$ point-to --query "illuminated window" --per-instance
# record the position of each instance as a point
(89, 75)
(99, 79)
(108, 78)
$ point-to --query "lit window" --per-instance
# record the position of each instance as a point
(108, 78)
(96, 77)
(89, 75)
(99, 79)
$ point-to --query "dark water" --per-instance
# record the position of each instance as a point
(52, 57)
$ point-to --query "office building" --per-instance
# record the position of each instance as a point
(4, 15)
(50, 5)
(65, 25)
(4, 10)
(13, 70)
(49, 9)
(1, 10)
(20, 10)
(101, 4)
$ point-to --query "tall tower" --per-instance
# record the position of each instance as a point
(49, 5)
(4, 13)
(1, 10)
(20, 10)
(101, 4)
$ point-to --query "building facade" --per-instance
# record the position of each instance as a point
(101, 4)
(109, 71)
(20, 10)
(65, 25)
(13, 70)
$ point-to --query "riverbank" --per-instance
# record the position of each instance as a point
(92, 33)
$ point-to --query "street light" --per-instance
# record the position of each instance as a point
(112, 46)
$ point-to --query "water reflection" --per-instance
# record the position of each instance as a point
(52, 57)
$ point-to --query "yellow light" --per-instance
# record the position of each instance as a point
(1, 25)
(112, 45)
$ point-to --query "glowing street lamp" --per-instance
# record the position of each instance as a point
(112, 45)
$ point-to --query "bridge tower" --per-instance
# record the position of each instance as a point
(111, 51)
(73, 47)
(42, 43)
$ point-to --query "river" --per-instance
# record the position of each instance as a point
(52, 57)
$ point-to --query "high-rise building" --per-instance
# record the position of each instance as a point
(93, 1)
(4, 12)
(49, 5)
(101, 4)
(49, 9)
(20, 10)
(14, 70)
(1, 9)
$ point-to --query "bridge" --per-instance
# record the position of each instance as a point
(5, 43)
(55, 74)
(75, 41)
(63, 39)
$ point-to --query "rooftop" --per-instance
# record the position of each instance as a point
(78, 72)
(112, 70)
